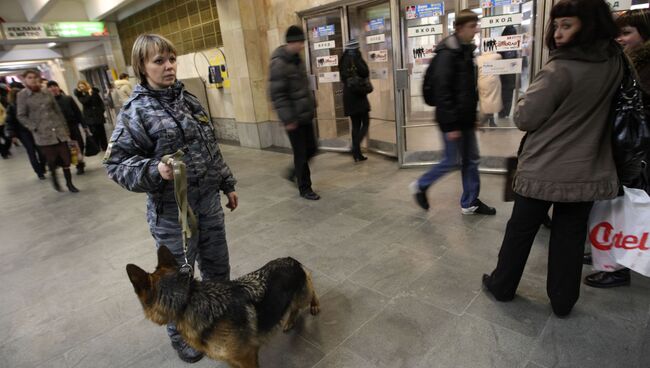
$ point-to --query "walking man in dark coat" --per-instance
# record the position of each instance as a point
(294, 103)
(73, 117)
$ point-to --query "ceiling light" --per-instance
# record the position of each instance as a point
(51, 44)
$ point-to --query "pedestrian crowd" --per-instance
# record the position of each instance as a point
(565, 162)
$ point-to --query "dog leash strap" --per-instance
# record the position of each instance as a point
(186, 217)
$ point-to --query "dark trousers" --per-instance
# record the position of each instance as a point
(303, 143)
(99, 133)
(5, 143)
(36, 158)
(508, 82)
(568, 233)
(359, 130)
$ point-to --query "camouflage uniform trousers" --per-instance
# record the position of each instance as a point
(208, 247)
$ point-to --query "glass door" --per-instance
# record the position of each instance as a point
(325, 48)
(424, 24)
(370, 24)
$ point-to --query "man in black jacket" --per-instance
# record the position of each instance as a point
(294, 103)
(73, 117)
(456, 98)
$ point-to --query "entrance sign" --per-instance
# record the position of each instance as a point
(324, 45)
(329, 77)
(375, 24)
(323, 31)
(505, 43)
(502, 20)
(498, 67)
(425, 10)
(379, 56)
(378, 38)
(426, 30)
(326, 61)
(618, 5)
(494, 3)
(22, 31)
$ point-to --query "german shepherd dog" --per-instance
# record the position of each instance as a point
(226, 320)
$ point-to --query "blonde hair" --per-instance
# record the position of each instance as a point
(145, 47)
(85, 84)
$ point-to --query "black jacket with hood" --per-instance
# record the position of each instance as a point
(289, 88)
(455, 85)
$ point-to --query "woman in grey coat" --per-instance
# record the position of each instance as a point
(566, 160)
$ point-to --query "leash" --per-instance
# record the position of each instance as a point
(186, 217)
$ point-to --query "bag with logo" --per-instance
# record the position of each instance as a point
(619, 232)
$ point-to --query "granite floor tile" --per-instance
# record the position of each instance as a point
(343, 358)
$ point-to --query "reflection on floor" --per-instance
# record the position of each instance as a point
(399, 287)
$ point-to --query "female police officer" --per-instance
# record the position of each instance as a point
(160, 118)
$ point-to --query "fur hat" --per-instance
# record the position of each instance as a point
(295, 34)
(352, 45)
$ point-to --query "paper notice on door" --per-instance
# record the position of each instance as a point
(326, 61)
(380, 73)
(498, 67)
(505, 43)
(378, 38)
(426, 30)
(378, 56)
(329, 77)
(324, 45)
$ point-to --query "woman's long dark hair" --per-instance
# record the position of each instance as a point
(595, 16)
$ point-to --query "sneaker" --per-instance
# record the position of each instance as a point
(311, 195)
(185, 352)
(479, 208)
(419, 195)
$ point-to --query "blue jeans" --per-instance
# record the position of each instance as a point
(459, 154)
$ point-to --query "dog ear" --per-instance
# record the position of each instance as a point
(166, 258)
(139, 278)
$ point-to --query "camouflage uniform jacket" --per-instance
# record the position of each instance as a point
(153, 123)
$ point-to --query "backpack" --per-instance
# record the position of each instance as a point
(428, 86)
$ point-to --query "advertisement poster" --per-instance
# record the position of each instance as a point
(379, 56)
(505, 43)
(618, 5)
(324, 45)
(323, 31)
(498, 67)
(426, 30)
(422, 53)
(326, 61)
(495, 3)
(502, 20)
(329, 77)
(18, 31)
(375, 25)
(378, 38)
(425, 10)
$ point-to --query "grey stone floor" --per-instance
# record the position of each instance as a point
(399, 287)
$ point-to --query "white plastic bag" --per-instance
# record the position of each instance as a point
(619, 232)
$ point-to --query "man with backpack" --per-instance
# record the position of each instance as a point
(450, 85)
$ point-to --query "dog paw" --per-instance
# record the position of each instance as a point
(315, 309)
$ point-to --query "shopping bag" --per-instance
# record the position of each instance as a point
(619, 232)
(75, 152)
(91, 146)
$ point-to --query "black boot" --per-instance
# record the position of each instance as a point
(55, 181)
(81, 168)
(68, 181)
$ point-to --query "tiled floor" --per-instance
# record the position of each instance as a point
(399, 287)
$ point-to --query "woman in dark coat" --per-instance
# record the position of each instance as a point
(93, 111)
(355, 105)
(635, 39)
